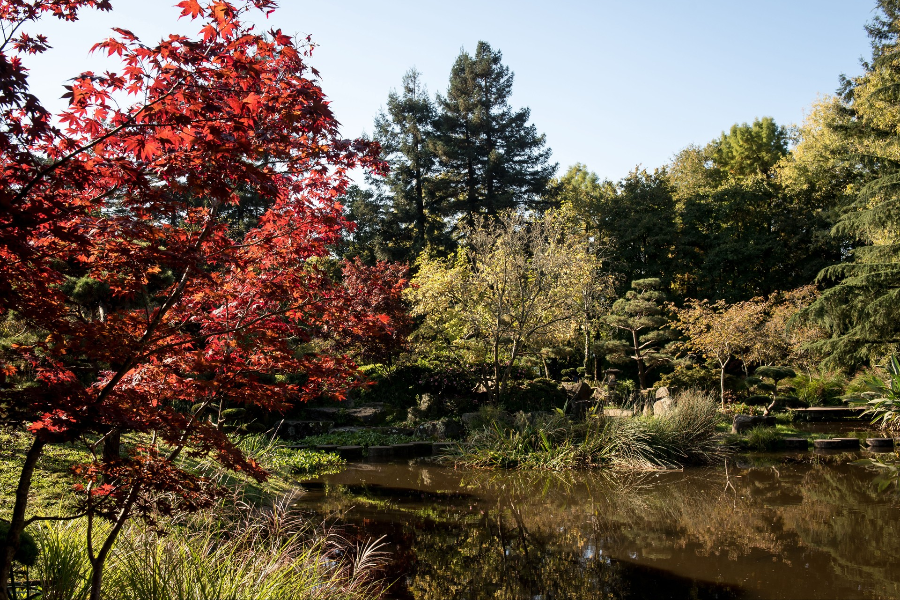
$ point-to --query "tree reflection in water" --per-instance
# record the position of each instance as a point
(793, 531)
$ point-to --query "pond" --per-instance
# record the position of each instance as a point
(768, 527)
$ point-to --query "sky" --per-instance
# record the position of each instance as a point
(612, 84)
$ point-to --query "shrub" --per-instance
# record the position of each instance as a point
(538, 394)
(684, 435)
(825, 390)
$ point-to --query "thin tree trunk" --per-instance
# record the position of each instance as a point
(17, 522)
(99, 562)
(722, 380)
(642, 374)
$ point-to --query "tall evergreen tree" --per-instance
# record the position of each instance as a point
(860, 310)
(404, 131)
(491, 158)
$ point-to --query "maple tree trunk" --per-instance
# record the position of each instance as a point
(99, 562)
(17, 522)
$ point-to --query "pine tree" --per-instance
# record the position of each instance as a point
(640, 316)
(404, 131)
(491, 158)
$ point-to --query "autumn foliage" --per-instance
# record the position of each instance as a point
(116, 245)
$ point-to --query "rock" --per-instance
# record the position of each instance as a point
(849, 443)
(439, 448)
(795, 444)
(662, 393)
(578, 390)
(365, 414)
(743, 423)
(663, 407)
(422, 448)
(442, 429)
(828, 444)
(381, 451)
(403, 450)
(880, 442)
(350, 452)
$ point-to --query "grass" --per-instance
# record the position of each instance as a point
(51, 486)
(275, 457)
(232, 553)
(763, 439)
(686, 435)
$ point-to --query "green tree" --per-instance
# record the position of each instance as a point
(750, 150)
(859, 311)
(491, 158)
(640, 315)
(404, 132)
(515, 285)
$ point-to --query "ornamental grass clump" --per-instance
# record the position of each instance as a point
(234, 553)
(686, 435)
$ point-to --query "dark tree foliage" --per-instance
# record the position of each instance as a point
(640, 223)
(491, 158)
(405, 131)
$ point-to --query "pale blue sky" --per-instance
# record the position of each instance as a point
(611, 84)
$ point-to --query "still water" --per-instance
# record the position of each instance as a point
(771, 527)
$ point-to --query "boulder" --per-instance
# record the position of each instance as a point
(663, 392)
(663, 407)
(442, 429)
(578, 390)
(744, 423)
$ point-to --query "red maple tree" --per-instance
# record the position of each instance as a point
(118, 244)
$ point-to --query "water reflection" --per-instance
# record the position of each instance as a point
(792, 531)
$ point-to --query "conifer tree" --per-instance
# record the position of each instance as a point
(491, 158)
(404, 131)
(860, 311)
(640, 316)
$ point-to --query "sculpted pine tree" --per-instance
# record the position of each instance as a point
(491, 158)
(640, 315)
(155, 308)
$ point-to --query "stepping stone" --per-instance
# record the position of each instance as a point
(880, 442)
(422, 448)
(381, 451)
(795, 444)
(403, 449)
(828, 444)
(850, 443)
(350, 452)
(441, 447)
